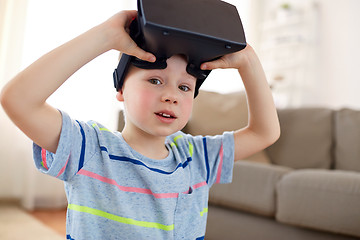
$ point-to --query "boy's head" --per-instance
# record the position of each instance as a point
(200, 30)
(158, 101)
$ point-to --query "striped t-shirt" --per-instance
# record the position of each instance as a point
(114, 192)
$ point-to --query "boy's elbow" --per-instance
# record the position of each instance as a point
(276, 135)
(3, 98)
(269, 136)
(8, 100)
(273, 136)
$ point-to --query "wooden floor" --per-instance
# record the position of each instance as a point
(55, 219)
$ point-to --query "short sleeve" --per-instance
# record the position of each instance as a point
(220, 155)
(76, 146)
(212, 156)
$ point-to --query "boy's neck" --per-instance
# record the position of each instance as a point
(147, 145)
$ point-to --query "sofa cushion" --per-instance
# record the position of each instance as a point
(225, 223)
(214, 113)
(259, 157)
(320, 199)
(252, 188)
(347, 140)
(306, 138)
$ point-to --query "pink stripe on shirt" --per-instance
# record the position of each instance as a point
(63, 168)
(43, 157)
(221, 155)
(135, 189)
(127, 189)
(199, 185)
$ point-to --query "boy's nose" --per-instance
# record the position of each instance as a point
(169, 98)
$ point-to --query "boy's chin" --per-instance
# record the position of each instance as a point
(166, 132)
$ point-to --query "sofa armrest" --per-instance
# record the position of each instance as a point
(320, 199)
(252, 189)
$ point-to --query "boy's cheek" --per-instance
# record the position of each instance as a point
(188, 106)
(141, 94)
(145, 96)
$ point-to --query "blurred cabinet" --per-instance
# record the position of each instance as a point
(288, 49)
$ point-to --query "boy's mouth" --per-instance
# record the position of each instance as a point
(168, 115)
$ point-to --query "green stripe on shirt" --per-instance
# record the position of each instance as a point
(116, 218)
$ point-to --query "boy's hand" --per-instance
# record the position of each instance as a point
(119, 36)
(233, 60)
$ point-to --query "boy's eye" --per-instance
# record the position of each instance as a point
(184, 88)
(155, 81)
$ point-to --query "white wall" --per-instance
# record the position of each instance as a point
(12, 150)
(339, 82)
(335, 76)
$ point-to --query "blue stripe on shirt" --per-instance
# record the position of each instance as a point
(137, 162)
(82, 153)
(69, 237)
(206, 160)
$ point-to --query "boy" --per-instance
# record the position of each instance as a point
(150, 181)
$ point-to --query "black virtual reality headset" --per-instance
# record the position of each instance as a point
(202, 30)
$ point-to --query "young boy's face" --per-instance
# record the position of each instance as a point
(158, 102)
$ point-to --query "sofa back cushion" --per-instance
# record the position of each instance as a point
(213, 113)
(306, 138)
(347, 140)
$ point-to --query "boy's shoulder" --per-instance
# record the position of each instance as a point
(209, 144)
(180, 137)
(185, 137)
(99, 127)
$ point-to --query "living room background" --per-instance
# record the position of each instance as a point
(29, 29)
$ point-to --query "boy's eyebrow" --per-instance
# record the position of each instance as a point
(191, 78)
(186, 75)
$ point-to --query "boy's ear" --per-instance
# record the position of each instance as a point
(120, 96)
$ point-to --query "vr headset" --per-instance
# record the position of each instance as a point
(202, 30)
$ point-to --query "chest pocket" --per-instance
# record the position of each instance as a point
(191, 213)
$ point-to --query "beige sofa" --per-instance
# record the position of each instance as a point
(305, 186)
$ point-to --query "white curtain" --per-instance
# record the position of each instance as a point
(15, 150)
(18, 178)
(12, 23)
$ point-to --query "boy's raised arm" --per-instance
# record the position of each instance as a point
(263, 128)
(24, 97)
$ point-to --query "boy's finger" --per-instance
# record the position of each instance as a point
(130, 15)
(219, 63)
(146, 56)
